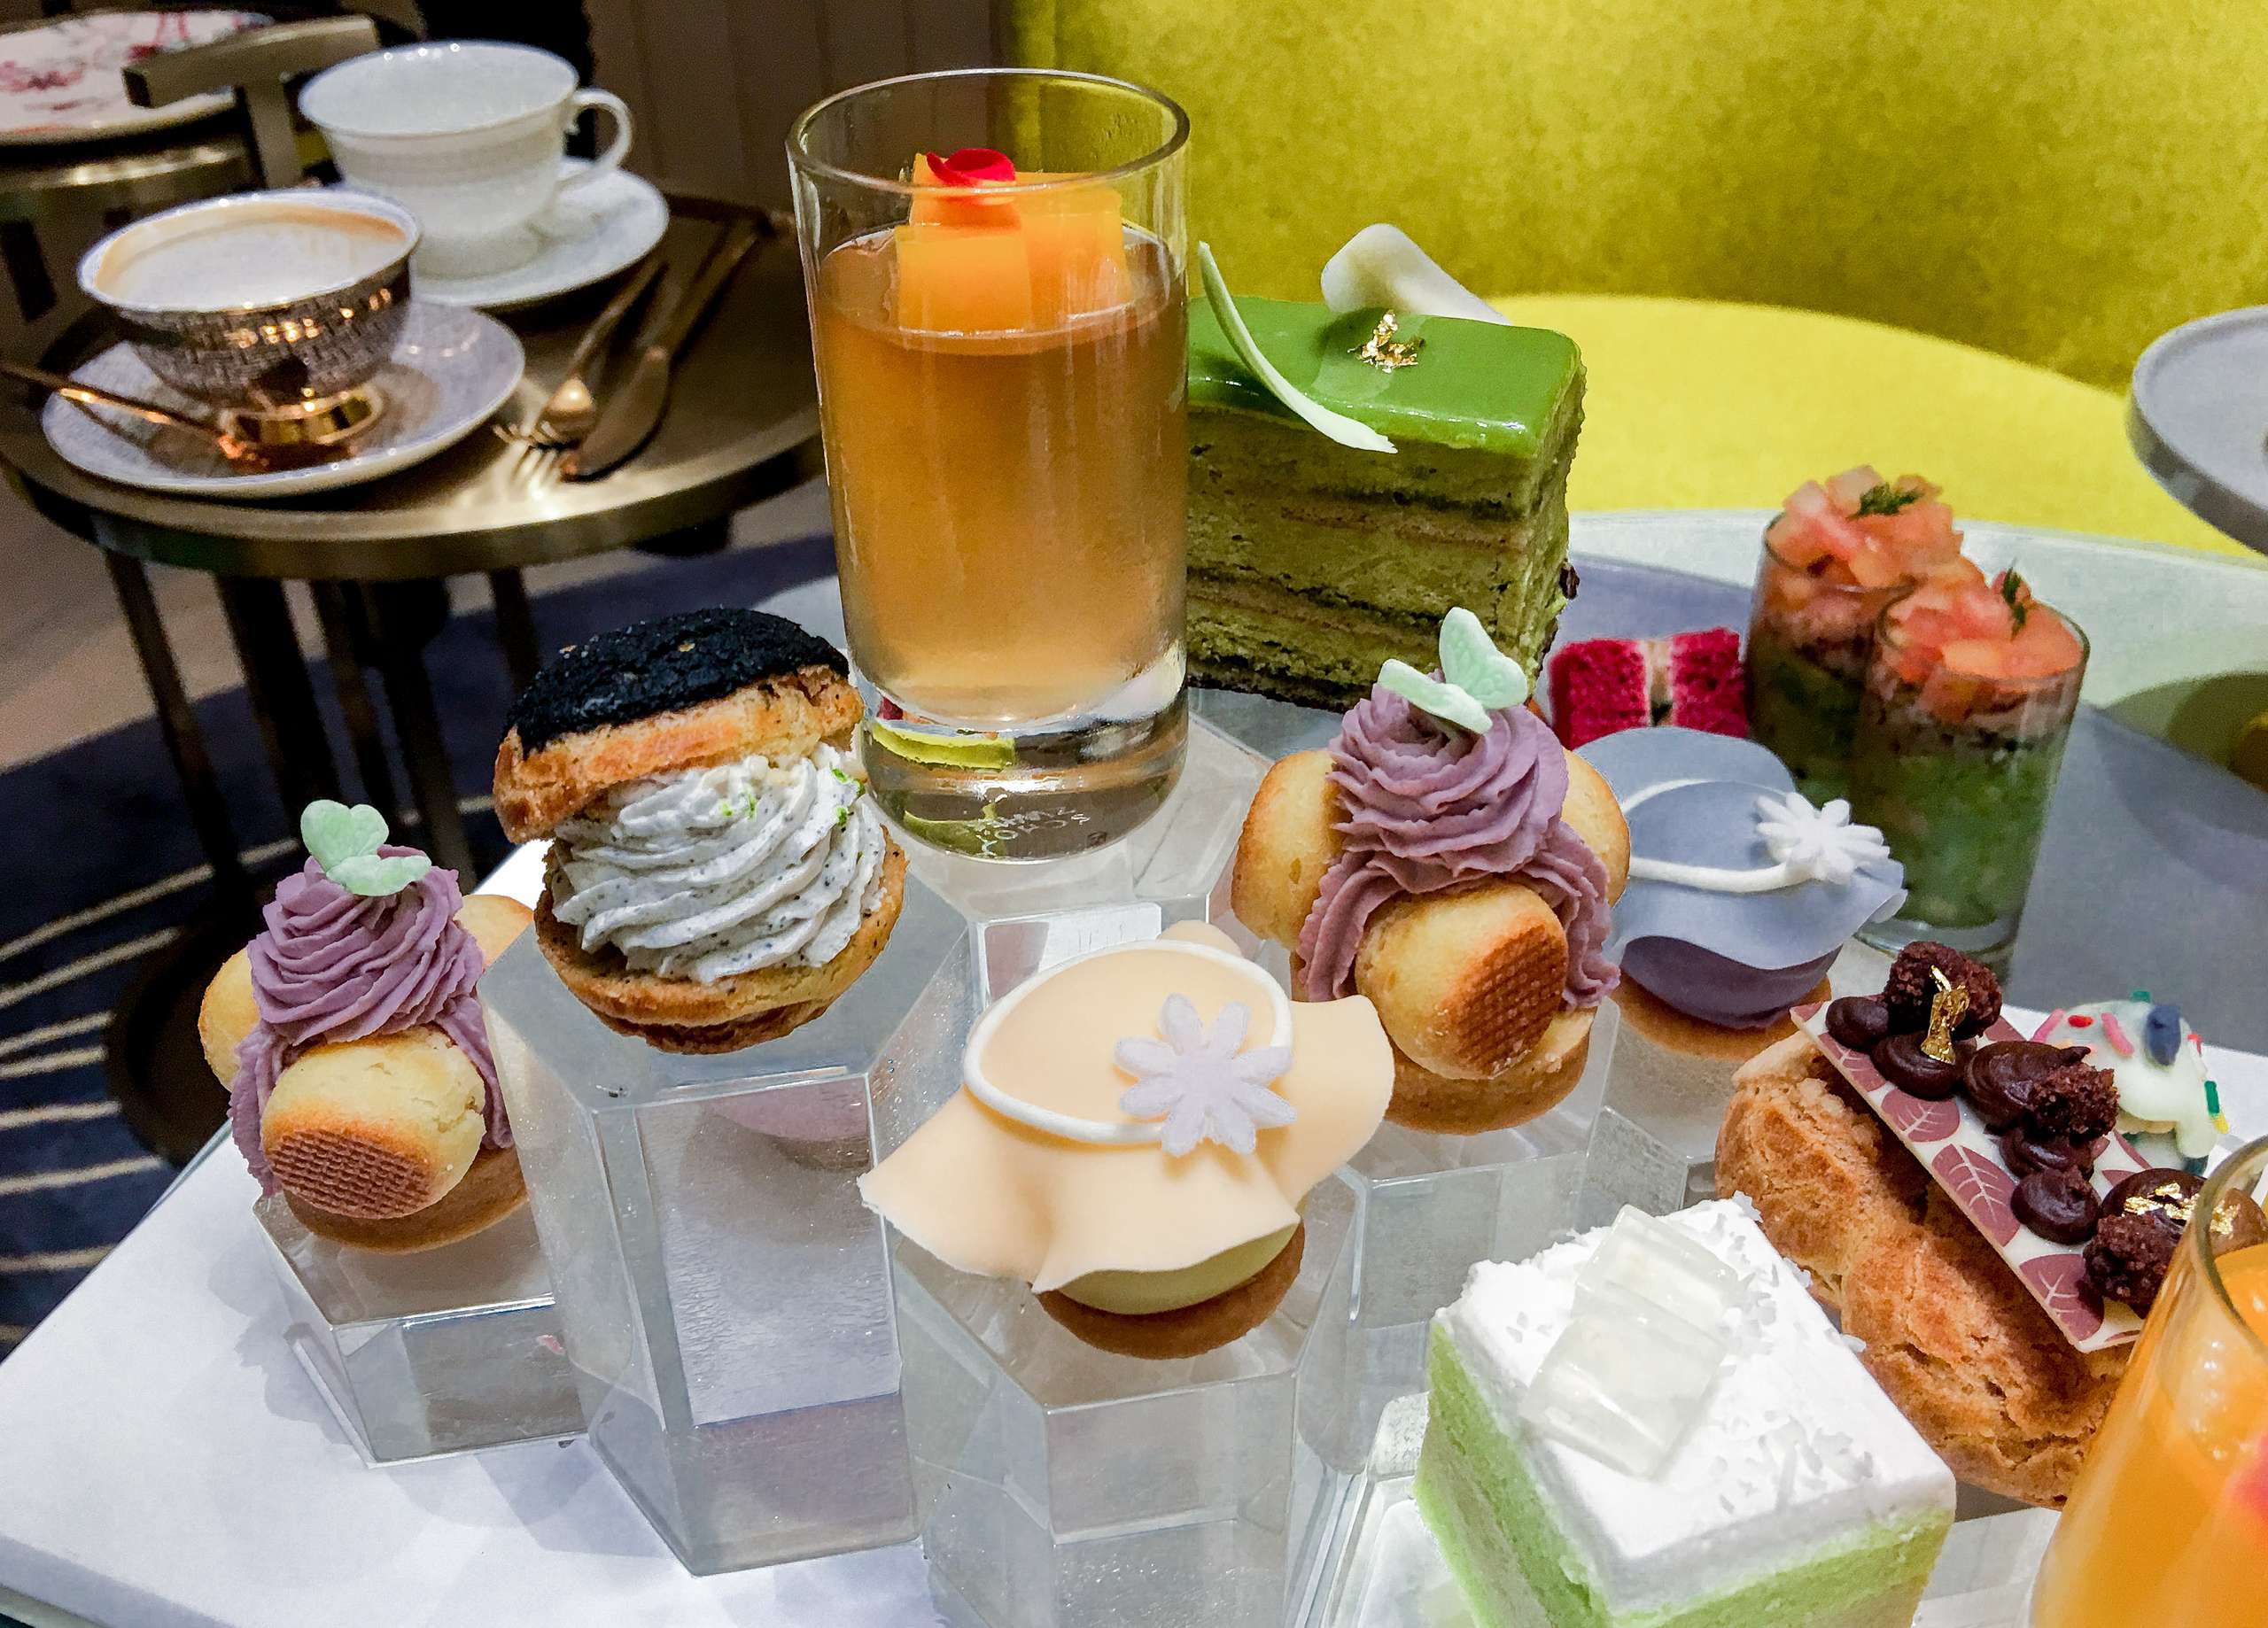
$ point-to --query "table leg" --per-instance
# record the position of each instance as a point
(515, 627)
(394, 616)
(350, 647)
(20, 251)
(282, 701)
(208, 810)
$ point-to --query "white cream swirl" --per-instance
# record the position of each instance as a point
(710, 872)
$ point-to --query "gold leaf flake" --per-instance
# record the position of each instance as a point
(1386, 353)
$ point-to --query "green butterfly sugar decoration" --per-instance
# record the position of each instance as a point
(1337, 426)
(1477, 679)
(345, 842)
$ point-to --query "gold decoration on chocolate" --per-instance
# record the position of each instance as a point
(1386, 353)
(2169, 1197)
(1947, 1007)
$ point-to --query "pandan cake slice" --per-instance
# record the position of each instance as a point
(1798, 1496)
(1310, 562)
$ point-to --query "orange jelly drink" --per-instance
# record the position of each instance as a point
(1001, 337)
(2169, 1522)
(1002, 400)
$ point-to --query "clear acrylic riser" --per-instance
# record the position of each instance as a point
(1653, 1144)
(771, 1379)
(1063, 1487)
(724, 1296)
(1383, 1569)
(1429, 1208)
(424, 1354)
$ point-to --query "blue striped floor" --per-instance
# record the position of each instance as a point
(101, 868)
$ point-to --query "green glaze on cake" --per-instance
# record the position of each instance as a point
(1518, 1568)
(1309, 562)
(1475, 385)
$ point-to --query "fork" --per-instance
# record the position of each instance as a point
(566, 418)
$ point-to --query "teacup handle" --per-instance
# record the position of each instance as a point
(607, 162)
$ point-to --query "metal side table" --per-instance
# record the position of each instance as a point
(742, 425)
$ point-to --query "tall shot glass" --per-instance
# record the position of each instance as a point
(1956, 758)
(1002, 367)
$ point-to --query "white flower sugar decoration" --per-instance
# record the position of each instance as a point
(1203, 1087)
(1189, 1085)
(1806, 843)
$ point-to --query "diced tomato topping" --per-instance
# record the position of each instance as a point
(1860, 530)
(1956, 637)
(1847, 488)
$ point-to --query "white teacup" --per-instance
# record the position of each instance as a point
(466, 135)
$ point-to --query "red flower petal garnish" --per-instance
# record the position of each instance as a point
(970, 166)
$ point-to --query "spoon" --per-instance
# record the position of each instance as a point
(235, 448)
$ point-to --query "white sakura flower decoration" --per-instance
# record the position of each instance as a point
(1808, 844)
(1199, 1084)
(1817, 844)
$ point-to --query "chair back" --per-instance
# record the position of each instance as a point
(2059, 181)
(255, 64)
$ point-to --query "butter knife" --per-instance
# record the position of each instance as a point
(634, 408)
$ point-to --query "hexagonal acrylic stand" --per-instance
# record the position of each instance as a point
(724, 1296)
(1654, 1142)
(427, 1353)
(1063, 1485)
(1429, 1208)
(1386, 1570)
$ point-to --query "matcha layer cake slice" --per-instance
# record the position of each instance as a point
(1310, 562)
(1788, 1491)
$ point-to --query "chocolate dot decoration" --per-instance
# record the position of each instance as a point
(2058, 1205)
(2169, 1196)
(1860, 1021)
(2076, 1101)
(2025, 1153)
(1997, 1078)
(1911, 991)
(660, 666)
(2129, 1257)
(1900, 1060)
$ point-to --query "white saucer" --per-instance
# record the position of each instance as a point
(450, 371)
(592, 233)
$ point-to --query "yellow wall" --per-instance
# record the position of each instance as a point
(2055, 180)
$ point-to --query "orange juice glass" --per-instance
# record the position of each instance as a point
(994, 265)
(2169, 1522)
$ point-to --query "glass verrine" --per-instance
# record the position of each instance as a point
(1809, 638)
(2169, 1520)
(1955, 760)
(1002, 366)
